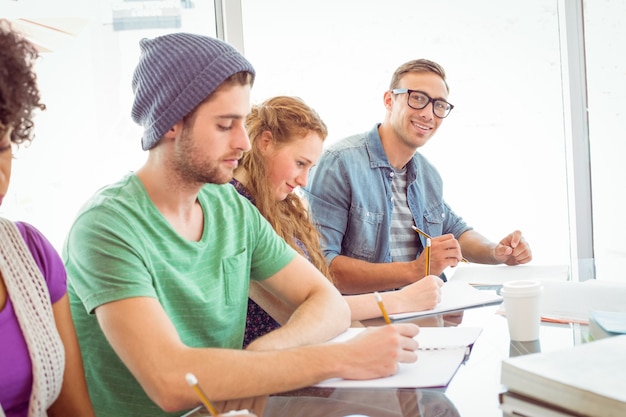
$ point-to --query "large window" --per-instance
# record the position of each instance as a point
(86, 138)
(501, 150)
(605, 41)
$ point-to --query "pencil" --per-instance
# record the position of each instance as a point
(427, 236)
(379, 299)
(193, 382)
(427, 250)
(421, 232)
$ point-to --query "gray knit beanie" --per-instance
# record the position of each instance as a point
(175, 73)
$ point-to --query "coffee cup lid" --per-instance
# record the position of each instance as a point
(523, 288)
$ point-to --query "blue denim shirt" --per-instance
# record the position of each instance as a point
(351, 201)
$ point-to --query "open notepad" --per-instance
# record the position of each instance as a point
(203, 412)
(455, 296)
(442, 351)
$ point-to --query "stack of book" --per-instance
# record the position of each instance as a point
(586, 380)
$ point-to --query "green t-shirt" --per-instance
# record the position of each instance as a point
(120, 246)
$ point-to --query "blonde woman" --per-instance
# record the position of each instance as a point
(287, 138)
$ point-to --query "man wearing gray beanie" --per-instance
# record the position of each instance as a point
(159, 263)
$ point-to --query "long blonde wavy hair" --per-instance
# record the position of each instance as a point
(287, 119)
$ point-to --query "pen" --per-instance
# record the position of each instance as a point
(427, 250)
(427, 236)
(379, 299)
(193, 382)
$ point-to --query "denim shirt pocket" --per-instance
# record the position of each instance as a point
(236, 273)
(363, 233)
(434, 218)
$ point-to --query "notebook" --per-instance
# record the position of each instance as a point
(455, 296)
(201, 411)
(442, 351)
(478, 274)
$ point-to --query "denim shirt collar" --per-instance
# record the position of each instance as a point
(378, 157)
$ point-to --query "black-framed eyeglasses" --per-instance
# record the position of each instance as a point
(418, 100)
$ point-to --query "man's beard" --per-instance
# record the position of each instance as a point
(193, 170)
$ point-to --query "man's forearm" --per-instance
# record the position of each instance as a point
(354, 276)
(321, 317)
(477, 248)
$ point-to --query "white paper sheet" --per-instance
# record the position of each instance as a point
(442, 351)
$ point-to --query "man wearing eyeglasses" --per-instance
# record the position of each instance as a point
(370, 189)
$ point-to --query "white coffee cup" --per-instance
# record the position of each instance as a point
(521, 305)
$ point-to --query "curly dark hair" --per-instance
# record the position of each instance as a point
(19, 94)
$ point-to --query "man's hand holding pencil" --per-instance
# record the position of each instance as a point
(387, 345)
(445, 251)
